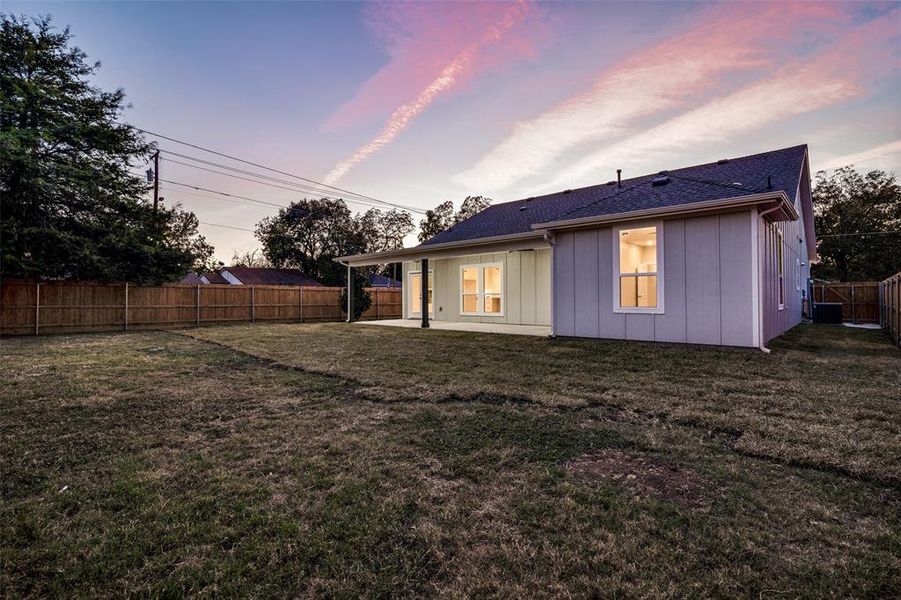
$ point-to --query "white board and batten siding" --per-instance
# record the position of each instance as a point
(526, 293)
(707, 284)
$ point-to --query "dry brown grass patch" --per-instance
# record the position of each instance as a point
(646, 475)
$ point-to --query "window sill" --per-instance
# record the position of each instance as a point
(639, 311)
(477, 314)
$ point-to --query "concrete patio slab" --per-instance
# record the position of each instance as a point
(536, 330)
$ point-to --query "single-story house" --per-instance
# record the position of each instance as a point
(377, 280)
(213, 277)
(265, 276)
(717, 253)
(192, 279)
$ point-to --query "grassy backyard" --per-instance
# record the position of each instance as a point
(336, 460)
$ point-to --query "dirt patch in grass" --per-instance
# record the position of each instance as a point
(646, 475)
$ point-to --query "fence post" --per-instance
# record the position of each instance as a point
(252, 309)
(301, 304)
(378, 295)
(37, 307)
(197, 303)
(126, 307)
(853, 307)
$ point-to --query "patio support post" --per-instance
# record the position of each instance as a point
(350, 295)
(424, 303)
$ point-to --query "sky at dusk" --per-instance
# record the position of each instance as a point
(418, 103)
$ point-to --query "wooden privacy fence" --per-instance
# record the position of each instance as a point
(859, 300)
(890, 302)
(35, 308)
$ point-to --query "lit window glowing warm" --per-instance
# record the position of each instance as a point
(638, 268)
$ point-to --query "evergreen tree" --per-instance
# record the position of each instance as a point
(70, 206)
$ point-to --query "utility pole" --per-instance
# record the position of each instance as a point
(156, 181)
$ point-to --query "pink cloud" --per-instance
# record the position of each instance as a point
(842, 71)
(450, 73)
(421, 40)
(725, 40)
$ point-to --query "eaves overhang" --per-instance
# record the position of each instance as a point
(426, 250)
(777, 199)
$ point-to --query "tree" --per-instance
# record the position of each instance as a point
(254, 259)
(362, 299)
(857, 219)
(436, 221)
(443, 217)
(309, 235)
(386, 231)
(471, 206)
(71, 208)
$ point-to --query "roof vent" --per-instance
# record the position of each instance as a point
(611, 182)
(523, 207)
(664, 172)
(658, 181)
(722, 161)
(567, 191)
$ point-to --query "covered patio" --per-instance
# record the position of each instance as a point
(534, 330)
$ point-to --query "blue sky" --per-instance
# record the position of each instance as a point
(419, 103)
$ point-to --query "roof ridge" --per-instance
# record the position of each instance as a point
(646, 175)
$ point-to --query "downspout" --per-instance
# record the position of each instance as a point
(761, 344)
(549, 238)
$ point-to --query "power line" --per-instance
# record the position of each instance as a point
(225, 226)
(202, 189)
(247, 162)
(301, 187)
(290, 189)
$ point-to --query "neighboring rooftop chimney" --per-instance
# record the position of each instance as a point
(619, 178)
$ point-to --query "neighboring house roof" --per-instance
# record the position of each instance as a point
(251, 276)
(759, 173)
(192, 279)
(378, 280)
(214, 277)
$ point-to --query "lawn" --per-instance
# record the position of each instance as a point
(347, 460)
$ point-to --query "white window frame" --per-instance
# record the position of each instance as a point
(425, 296)
(617, 276)
(780, 268)
(480, 289)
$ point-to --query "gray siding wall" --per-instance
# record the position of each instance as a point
(527, 287)
(707, 283)
(777, 321)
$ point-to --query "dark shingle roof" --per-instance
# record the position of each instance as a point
(711, 181)
(191, 279)
(214, 277)
(251, 276)
(379, 280)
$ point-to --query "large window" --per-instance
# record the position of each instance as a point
(638, 274)
(415, 293)
(482, 290)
